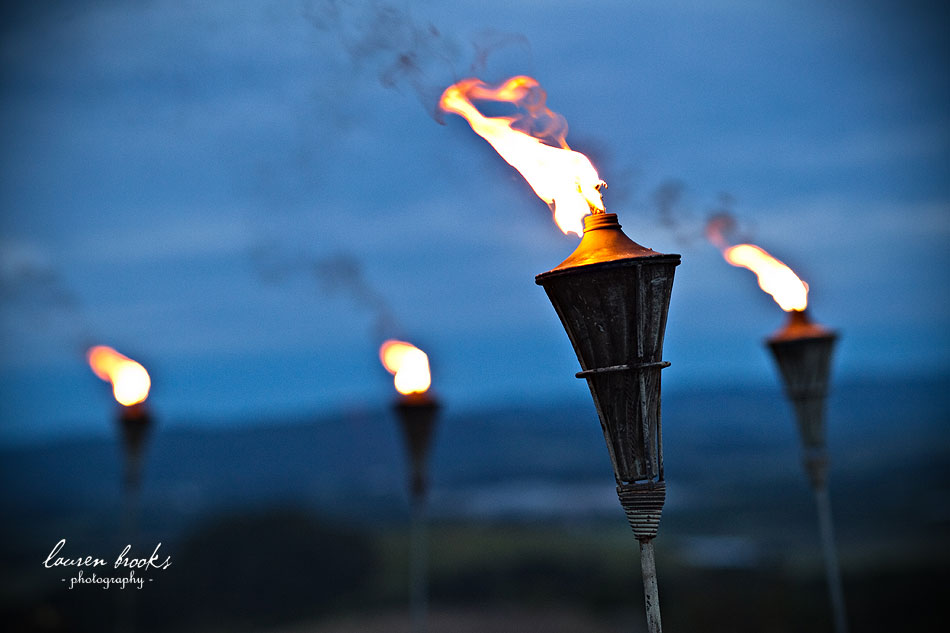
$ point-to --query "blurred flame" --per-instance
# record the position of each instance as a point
(533, 143)
(130, 381)
(775, 278)
(408, 364)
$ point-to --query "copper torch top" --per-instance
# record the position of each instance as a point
(800, 326)
(603, 242)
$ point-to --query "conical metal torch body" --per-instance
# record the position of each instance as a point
(417, 415)
(803, 351)
(134, 425)
(612, 296)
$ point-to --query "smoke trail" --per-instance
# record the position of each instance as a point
(28, 280)
(722, 228)
(674, 214)
(343, 273)
(340, 274)
(402, 51)
(488, 42)
(33, 292)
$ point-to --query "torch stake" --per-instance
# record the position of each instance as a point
(832, 571)
(125, 622)
(643, 505)
(134, 422)
(612, 296)
(417, 415)
(418, 564)
(802, 351)
(651, 594)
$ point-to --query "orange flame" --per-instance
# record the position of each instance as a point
(408, 364)
(775, 278)
(130, 381)
(533, 143)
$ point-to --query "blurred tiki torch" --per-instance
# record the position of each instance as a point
(612, 296)
(416, 409)
(130, 386)
(802, 350)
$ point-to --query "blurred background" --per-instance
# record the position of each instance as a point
(248, 197)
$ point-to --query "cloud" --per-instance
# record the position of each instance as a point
(838, 150)
(28, 278)
(167, 236)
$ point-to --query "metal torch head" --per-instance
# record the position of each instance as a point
(802, 350)
(134, 423)
(417, 415)
(612, 296)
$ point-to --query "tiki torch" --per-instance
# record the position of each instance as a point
(416, 410)
(612, 296)
(802, 350)
(130, 386)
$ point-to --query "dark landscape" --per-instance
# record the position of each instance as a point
(302, 524)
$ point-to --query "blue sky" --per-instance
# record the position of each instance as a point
(150, 151)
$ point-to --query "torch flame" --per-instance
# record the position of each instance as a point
(563, 178)
(408, 364)
(130, 381)
(775, 278)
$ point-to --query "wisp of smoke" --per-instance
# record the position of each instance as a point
(402, 51)
(336, 274)
(722, 228)
(343, 274)
(27, 278)
(673, 213)
(32, 291)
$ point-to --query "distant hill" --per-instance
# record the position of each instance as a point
(719, 445)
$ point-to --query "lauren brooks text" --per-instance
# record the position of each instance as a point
(123, 560)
